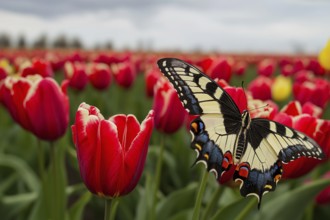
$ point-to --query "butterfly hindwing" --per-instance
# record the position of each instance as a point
(214, 146)
(269, 144)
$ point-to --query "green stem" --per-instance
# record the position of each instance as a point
(55, 191)
(243, 214)
(110, 208)
(157, 176)
(200, 194)
(41, 160)
(309, 211)
(213, 202)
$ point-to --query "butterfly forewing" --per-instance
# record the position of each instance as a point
(287, 143)
(198, 93)
(202, 96)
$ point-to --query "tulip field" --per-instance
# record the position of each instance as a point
(103, 135)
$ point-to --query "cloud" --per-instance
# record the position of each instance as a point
(186, 25)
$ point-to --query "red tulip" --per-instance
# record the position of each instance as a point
(287, 70)
(238, 95)
(239, 68)
(111, 152)
(106, 59)
(37, 104)
(124, 73)
(266, 67)
(311, 109)
(304, 75)
(217, 67)
(298, 65)
(151, 78)
(316, 67)
(56, 61)
(323, 197)
(262, 109)
(99, 75)
(169, 112)
(317, 129)
(75, 72)
(260, 88)
(220, 68)
(3, 73)
(294, 108)
(316, 91)
(38, 66)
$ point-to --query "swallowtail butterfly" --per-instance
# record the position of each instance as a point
(223, 136)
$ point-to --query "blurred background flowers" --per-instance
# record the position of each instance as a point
(55, 57)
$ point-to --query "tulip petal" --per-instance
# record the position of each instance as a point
(13, 92)
(128, 127)
(47, 108)
(111, 160)
(136, 155)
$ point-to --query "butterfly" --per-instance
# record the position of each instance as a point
(223, 136)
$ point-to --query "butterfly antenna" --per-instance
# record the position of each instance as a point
(244, 92)
(264, 106)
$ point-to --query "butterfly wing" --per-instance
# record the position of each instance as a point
(269, 144)
(198, 93)
(215, 131)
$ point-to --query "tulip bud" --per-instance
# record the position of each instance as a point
(111, 152)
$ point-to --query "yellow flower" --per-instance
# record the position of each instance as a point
(4, 64)
(281, 88)
(324, 56)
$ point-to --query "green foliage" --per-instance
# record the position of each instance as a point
(21, 183)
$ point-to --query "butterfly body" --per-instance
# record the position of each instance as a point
(223, 136)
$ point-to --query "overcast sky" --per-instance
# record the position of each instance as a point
(238, 25)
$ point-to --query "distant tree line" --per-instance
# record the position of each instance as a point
(42, 42)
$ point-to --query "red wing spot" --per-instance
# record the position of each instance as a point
(243, 170)
(227, 161)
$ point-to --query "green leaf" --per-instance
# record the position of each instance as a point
(177, 201)
(291, 205)
(183, 215)
(22, 169)
(237, 209)
(11, 206)
(144, 203)
(77, 209)
(52, 194)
